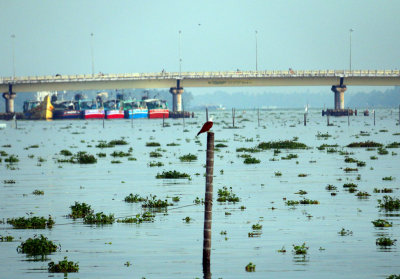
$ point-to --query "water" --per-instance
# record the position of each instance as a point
(172, 248)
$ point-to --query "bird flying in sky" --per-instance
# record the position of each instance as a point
(206, 127)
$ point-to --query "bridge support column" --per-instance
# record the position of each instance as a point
(176, 98)
(339, 90)
(9, 97)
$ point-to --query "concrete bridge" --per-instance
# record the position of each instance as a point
(337, 79)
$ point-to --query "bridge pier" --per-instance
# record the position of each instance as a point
(9, 97)
(339, 90)
(176, 96)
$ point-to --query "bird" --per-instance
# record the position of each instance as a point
(206, 127)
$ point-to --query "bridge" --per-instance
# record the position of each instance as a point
(337, 79)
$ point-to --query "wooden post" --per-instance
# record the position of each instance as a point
(258, 117)
(103, 123)
(208, 205)
(16, 123)
(233, 117)
(399, 115)
(163, 120)
(183, 113)
(374, 117)
(206, 114)
(131, 119)
(348, 118)
(305, 119)
(327, 119)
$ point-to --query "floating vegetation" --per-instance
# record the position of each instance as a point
(63, 266)
(221, 145)
(302, 175)
(382, 151)
(31, 223)
(38, 246)
(188, 158)
(362, 194)
(155, 154)
(344, 232)
(256, 227)
(330, 187)
(38, 192)
(289, 157)
(99, 218)
(187, 219)
(323, 136)
(323, 146)
(384, 190)
(116, 162)
(389, 203)
(251, 160)
(11, 159)
(303, 201)
(227, 195)
(32, 146)
(9, 181)
(282, 250)
(173, 144)
(385, 241)
(381, 223)
(66, 152)
(249, 150)
(80, 158)
(393, 145)
(120, 154)
(350, 169)
(350, 185)
(153, 202)
(80, 210)
(250, 267)
(278, 173)
(287, 144)
(155, 164)
(3, 153)
(101, 155)
(104, 144)
(393, 276)
(172, 175)
(350, 160)
(146, 217)
(7, 238)
(388, 178)
(151, 144)
(134, 198)
(176, 199)
(301, 192)
(300, 249)
(197, 200)
(365, 144)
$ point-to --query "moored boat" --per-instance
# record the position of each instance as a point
(97, 113)
(135, 109)
(157, 108)
(38, 109)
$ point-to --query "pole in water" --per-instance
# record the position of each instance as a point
(233, 117)
(258, 117)
(399, 115)
(348, 118)
(103, 123)
(132, 120)
(206, 114)
(208, 205)
(183, 115)
(16, 123)
(327, 119)
(374, 117)
(163, 120)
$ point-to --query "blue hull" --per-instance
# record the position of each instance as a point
(136, 113)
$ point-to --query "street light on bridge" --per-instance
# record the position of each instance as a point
(351, 31)
(13, 53)
(256, 52)
(92, 52)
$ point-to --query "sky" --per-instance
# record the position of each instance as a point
(54, 36)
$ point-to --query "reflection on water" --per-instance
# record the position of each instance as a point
(170, 247)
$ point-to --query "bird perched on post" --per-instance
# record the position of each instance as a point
(206, 127)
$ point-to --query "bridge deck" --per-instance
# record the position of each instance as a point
(201, 79)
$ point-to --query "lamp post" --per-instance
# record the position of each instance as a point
(256, 52)
(351, 31)
(13, 53)
(92, 52)
(179, 53)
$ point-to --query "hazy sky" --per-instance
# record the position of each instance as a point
(53, 36)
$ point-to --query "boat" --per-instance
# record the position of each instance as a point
(157, 108)
(66, 110)
(113, 109)
(38, 109)
(135, 109)
(90, 109)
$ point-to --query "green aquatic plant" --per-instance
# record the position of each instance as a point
(249, 150)
(155, 154)
(134, 198)
(63, 266)
(12, 159)
(330, 187)
(9, 181)
(394, 276)
(321, 135)
(82, 157)
(155, 164)
(66, 152)
(120, 154)
(188, 158)
(382, 151)
(350, 160)
(350, 169)
(381, 223)
(176, 199)
(146, 217)
(365, 144)
(172, 175)
(362, 194)
(289, 157)
(287, 144)
(256, 227)
(393, 145)
(173, 144)
(31, 223)
(301, 192)
(197, 200)
(250, 267)
(221, 145)
(251, 160)
(278, 173)
(227, 195)
(344, 232)
(118, 142)
(7, 238)
(153, 202)
(300, 249)
(323, 146)
(38, 192)
(80, 210)
(38, 246)
(350, 185)
(389, 203)
(116, 162)
(152, 144)
(384, 190)
(99, 218)
(303, 201)
(385, 241)
(302, 175)
(187, 219)
(388, 178)
(101, 155)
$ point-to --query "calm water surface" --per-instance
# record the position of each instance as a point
(172, 248)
